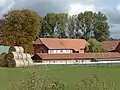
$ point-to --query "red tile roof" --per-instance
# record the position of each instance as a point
(56, 43)
(71, 56)
(110, 45)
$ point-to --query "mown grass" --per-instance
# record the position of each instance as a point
(69, 75)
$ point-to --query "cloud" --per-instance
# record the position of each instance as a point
(114, 22)
(115, 31)
(118, 7)
(77, 8)
(113, 16)
(2, 3)
(5, 6)
(44, 6)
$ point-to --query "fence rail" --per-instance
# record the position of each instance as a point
(83, 63)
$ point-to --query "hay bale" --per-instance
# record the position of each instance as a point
(29, 59)
(15, 63)
(12, 55)
(31, 63)
(26, 63)
(24, 57)
(22, 64)
(3, 61)
(20, 56)
(2, 55)
(28, 56)
(19, 59)
(18, 49)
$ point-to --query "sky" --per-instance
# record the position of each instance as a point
(111, 8)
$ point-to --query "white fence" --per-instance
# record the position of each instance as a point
(83, 63)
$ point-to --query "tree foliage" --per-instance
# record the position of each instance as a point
(48, 25)
(84, 25)
(94, 46)
(54, 25)
(93, 25)
(21, 26)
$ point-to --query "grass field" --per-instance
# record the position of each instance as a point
(68, 75)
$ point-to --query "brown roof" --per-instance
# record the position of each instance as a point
(56, 43)
(110, 45)
(45, 56)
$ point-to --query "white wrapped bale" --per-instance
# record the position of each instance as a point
(14, 63)
(18, 49)
(12, 55)
(29, 59)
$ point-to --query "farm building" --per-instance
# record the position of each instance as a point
(75, 58)
(57, 45)
(112, 46)
(4, 49)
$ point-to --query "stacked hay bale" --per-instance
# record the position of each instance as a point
(17, 58)
(3, 62)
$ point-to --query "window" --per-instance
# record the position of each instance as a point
(76, 60)
(61, 50)
(67, 50)
(51, 51)
(41, 50)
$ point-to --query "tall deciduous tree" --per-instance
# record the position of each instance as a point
(71, 27)
(62, 19)
(21, 27)
(93, 25)
(48, 25)
(101, 28)
(54, 25)
(85, 24)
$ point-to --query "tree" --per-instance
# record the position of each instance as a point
(54, 25)
(86, 24)
(48, 25)
(93, 25)
(62, 20)
(21, 27)
(94, 46)
(101, 28)
(71, 27)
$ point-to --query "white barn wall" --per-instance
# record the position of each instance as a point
(59, 51)
(65, 61)
(81, 51)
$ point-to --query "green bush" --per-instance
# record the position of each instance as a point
(94, 46)
(35, 81)
(94, 83)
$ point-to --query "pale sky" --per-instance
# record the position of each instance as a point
(109, 7)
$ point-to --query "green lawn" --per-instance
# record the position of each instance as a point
(69, 75)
